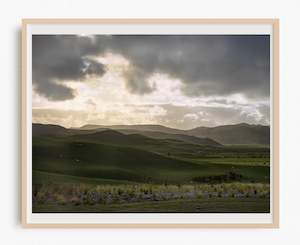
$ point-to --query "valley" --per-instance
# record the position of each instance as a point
(137, 157)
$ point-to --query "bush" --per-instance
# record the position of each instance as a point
(61, 199)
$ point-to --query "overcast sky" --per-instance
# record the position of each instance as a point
(176, 81)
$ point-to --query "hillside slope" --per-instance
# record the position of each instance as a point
(242, 133)
(182, 137)
(106, 161)
(39, 129)
(120, 163)
(227, 134)
(139, 127)
(235, 134)
(172, 147)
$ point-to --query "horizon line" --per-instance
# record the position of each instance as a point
(109, 125)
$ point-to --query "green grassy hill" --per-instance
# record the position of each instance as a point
(106, 161)
(93, 156)
(104, 170)
(115, 137)
(95, 160)
(181, 137)
(173, 147)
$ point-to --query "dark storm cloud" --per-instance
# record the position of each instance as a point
(59, 58)
(136, 81)
(207, 65)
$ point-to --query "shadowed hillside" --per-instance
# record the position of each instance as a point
(108, 162)
(39, 129)
(182, 137)
(235, 134)
(227, 134)
(163, 146)
(112, 162)
(49, 129)
(142, 127)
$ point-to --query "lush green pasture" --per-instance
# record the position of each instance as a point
(250, 161)
(85, 174)
(120, 163)
(45, 178)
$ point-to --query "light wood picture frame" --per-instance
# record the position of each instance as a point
(224, 27)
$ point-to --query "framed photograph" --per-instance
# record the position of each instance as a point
(150, 123)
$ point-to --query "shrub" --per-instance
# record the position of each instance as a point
(60, 199)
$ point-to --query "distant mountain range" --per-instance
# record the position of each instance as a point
(138, 127)
(227, 134)
(242, 133)
(157, 142)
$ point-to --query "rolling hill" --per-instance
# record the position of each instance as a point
(237, 134)
(163, 146)
(39, 129)
(96, 160)
(49, 129)
(139, 127)
(55, 130)
(115, 137)
(182, 137)
(99, 161)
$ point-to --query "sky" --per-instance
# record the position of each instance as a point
(179, 81)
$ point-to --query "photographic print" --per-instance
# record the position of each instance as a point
(152, 121)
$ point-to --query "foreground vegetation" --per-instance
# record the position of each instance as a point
(70, 197)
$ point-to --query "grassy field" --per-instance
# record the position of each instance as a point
(213, 205)
(91, 160)
(95, 173)
(246, 161)
(45, 178)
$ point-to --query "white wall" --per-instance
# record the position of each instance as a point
(11, 13)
